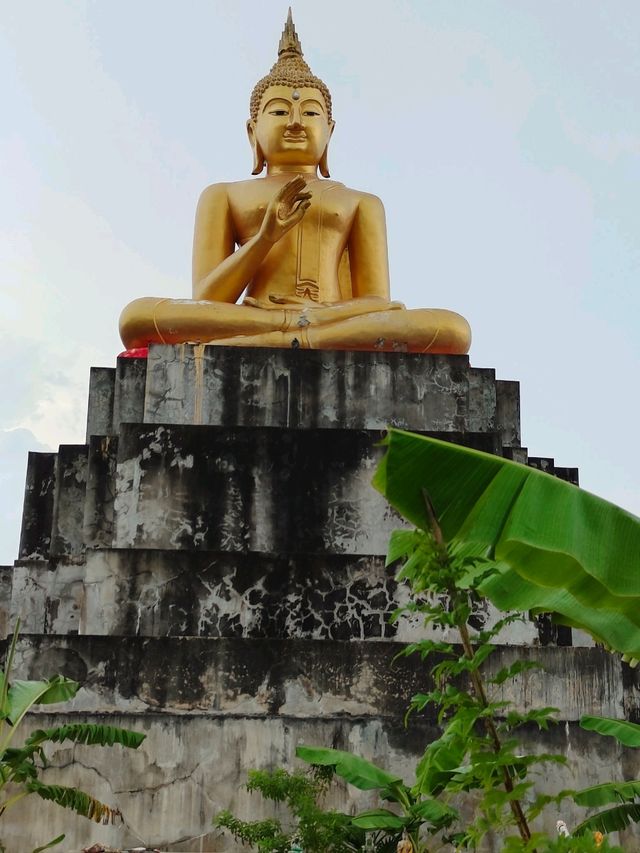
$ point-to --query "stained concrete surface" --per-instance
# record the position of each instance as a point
(211, 567)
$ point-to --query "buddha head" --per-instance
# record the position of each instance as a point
(291, 122)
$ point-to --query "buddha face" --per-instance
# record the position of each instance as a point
(292, 128)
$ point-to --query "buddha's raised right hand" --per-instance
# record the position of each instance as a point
(285, 210)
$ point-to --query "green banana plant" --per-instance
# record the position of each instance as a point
(20, 766)
(554, 548)
(490, 527)
(541, 545)
(416, 810)
(625, 794)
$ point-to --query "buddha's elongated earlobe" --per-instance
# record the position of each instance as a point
(258, 156)
(258, 159)
(323, 165)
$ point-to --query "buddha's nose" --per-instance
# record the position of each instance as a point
(295, 117)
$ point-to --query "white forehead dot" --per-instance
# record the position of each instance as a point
(295, 95)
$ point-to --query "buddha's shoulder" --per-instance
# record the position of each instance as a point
(215, 193)
(357, 194)
(367, 199)
(367, 205)
(234, 193)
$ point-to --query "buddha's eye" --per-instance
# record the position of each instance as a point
(278, 112)
(311, 113)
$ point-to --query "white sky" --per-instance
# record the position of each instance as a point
(502, 135)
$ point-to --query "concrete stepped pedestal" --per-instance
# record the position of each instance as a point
(210, 565)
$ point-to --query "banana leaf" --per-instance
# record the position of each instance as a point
(434, 812)
(86, 733)
(357, 771)
(22, 695)
(49, 844)
(608, 792)
(78, 801)
(380, 819)
(622, 730)
(611, 820)
(557, 548)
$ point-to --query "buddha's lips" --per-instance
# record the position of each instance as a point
(295, 137)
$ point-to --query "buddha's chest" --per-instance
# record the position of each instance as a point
(328, 219)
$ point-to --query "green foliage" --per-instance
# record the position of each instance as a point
(528, 542)
(78, 801)
(476, 753)
(417, 810)
(265, 835)
(611, 820)
(22, 695)
(625, 794)
(540, 843)
(553, 547)
(476, 756)
(85, 733)
(20, 766)
(379, 819)
(359, 772)
(49, 844)
(488, 528)
(623, 731)
(608, 792)
(315, 829)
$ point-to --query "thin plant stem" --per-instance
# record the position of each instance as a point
(478, 687)
(476, 680)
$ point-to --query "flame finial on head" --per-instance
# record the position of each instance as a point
(290, 69)
(289, 41)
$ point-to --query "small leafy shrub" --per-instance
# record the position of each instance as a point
(315, 829)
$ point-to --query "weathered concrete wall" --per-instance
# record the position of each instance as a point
(227, 387)
(155, 593)
(6, 583)
(224, 386)
(270, 490)
(213, 710)
(187, 770)
(102, 382)
(67, 532)
(48, 597)
(37, 511)
(305, 677)
(98, 515)
(211, 567)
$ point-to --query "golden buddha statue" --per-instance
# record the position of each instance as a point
(312, 253)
